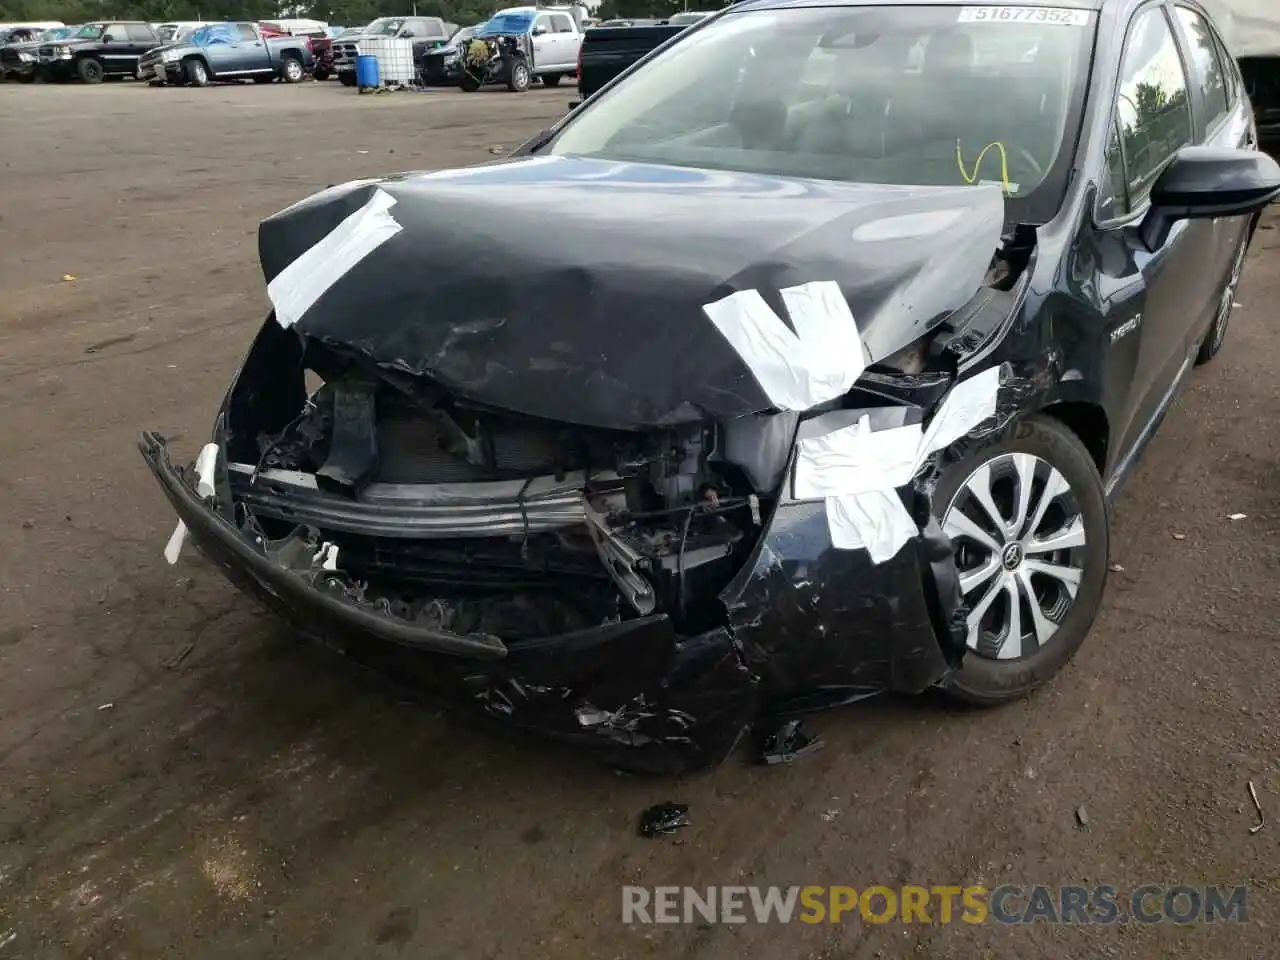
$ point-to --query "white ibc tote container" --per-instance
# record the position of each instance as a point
(395, 58)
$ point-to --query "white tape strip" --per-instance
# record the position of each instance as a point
(797, 370)
(966, 406)
(856, 459)
(206, 464)
(875, 521)
(298, 286)
(857, 470)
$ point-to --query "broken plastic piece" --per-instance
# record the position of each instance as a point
(1237, 516)
(206, 464)
(790, 743)
(1262, 820)
(663, 819)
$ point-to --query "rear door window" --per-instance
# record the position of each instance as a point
(246, 32)
(1205, 66)
(140, 33)
(561, 23)
(116, 34)
(543, 22)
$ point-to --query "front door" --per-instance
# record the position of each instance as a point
(544, 42)
(250, 50)
(117, 54)
(1152, 298)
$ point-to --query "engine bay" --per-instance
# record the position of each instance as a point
(478, 521)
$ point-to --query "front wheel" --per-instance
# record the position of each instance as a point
(551, 80)
(197, 73)
(520, 78)
(468, 83)
(320, 73)
(90, 70)
(347, 79)
(291, 70)
(1027, 517)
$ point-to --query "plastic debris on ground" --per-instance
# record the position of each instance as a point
(1262, 820)
(663, 819)
(791, 742)
(1237, 516)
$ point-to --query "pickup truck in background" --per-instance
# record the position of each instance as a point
(96, 51)
(228, 51)
(427, 33)
(520, 43)
(607, 51)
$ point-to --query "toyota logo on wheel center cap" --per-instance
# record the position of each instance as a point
(1011, 556)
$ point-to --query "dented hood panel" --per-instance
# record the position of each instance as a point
(574, 289)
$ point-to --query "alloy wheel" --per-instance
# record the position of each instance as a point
(1019, 539)
(1228, 298)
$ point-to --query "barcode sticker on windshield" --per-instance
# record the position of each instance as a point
(1059, 16)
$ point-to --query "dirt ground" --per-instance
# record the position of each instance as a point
(259, 798)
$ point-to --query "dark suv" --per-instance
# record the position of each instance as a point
(97, 51)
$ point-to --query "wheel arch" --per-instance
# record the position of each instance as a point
(1089, 422)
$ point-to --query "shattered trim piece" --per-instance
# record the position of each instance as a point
(817, 362)
(857, 470)
(298, 286)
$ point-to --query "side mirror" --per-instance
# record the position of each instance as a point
(539, 31)
(1207, 182)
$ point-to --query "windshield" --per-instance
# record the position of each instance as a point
(213, 34)
(385, 26)
(506, 21)
(913, 95)
(57, 33)
(89, 31)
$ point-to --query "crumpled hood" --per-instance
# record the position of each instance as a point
(574, 289)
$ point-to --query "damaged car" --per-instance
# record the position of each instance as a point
(822, 391)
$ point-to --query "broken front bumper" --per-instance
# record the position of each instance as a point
(649, 699)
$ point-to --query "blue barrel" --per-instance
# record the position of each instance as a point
(367, 72)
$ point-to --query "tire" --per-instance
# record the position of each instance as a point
(995, 671)
(347, 79)
(468, 83)
(291, 70)
(1217, 334)
(520, 77)
(321, 74)
(551, 80)
(196, 72)
(27, 77)
(263, 79)
(89, 69)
